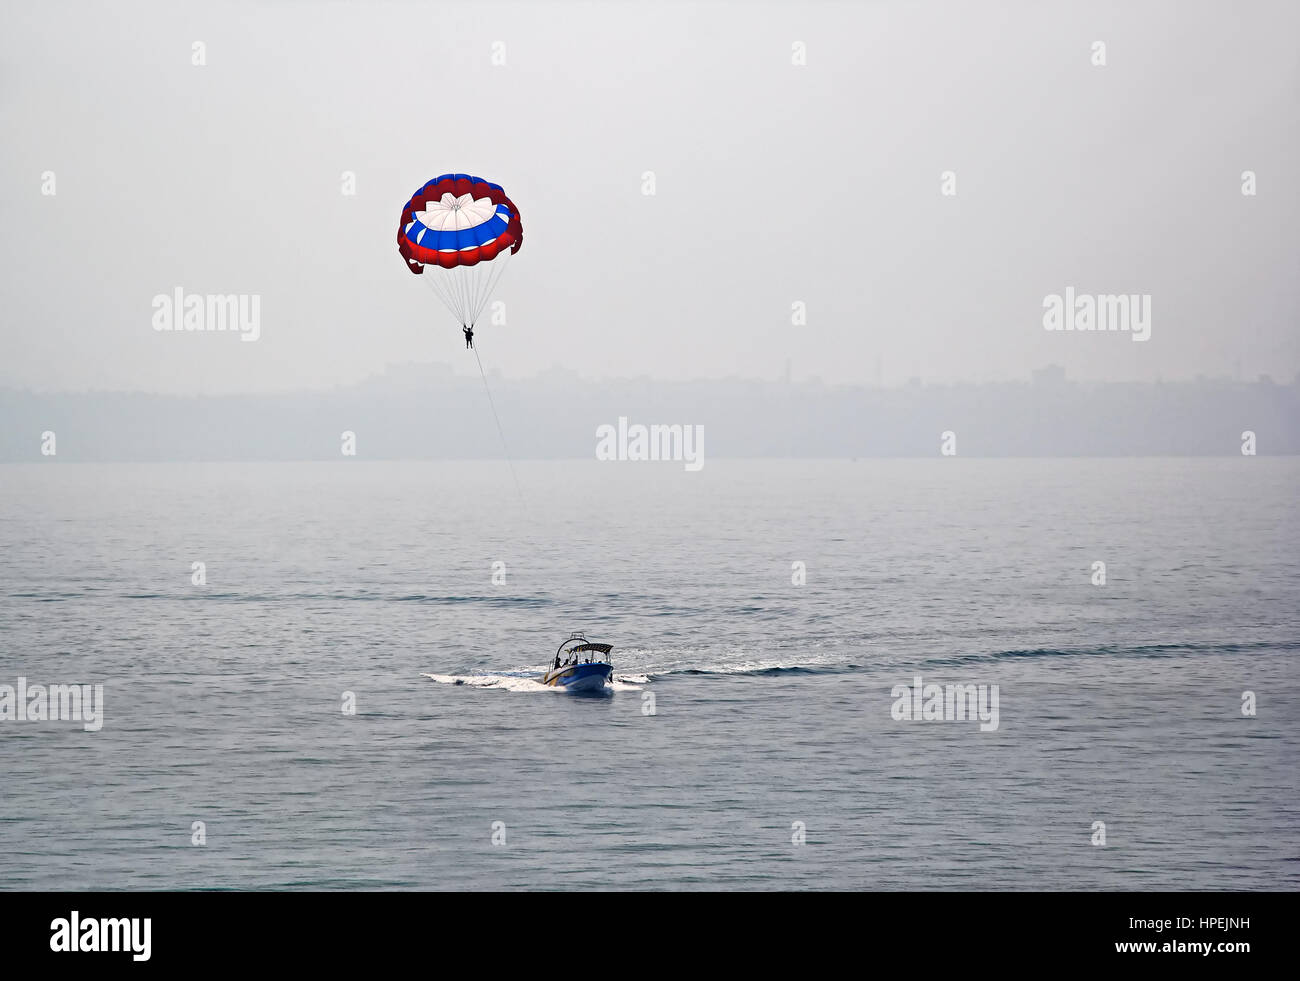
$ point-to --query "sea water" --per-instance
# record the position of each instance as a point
(323, 675)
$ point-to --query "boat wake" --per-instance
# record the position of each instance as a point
(664, 664)
(520, 683)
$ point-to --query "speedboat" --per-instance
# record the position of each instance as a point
(572, 672)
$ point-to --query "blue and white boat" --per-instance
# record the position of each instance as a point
(572, 672)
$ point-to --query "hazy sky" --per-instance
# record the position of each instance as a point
(775, 183)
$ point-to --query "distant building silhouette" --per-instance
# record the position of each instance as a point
(426, 411)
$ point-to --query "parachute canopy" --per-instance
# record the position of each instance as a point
(459, 232)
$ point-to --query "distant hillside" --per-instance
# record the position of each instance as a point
(425, 411)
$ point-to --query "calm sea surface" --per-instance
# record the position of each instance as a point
(1118, 703)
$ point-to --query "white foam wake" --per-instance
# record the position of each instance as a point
(508, 682)
(499, 682)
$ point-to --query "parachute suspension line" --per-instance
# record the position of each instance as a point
(486, 290)
(465, 280)
(500, 432)
(433, 278)
(472, 275)
(490, 281)
(448, 281)
(497, 274)
(482, 274)
(465, 290)
(476, 296)
(457, 285)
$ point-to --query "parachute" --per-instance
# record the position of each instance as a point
(459, 233)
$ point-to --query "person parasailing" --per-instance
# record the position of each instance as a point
(458, 233)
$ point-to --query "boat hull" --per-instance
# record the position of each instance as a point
(579, 677)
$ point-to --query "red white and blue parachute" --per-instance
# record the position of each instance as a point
(459, 233)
